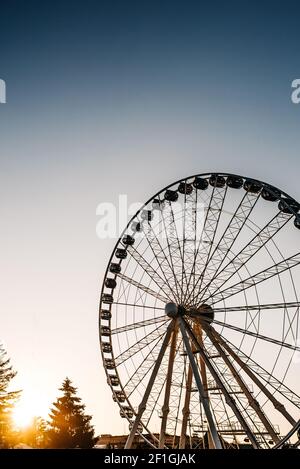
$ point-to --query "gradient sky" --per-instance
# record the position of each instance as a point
(113, 97)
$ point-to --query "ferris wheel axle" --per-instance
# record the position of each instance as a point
(203, 312)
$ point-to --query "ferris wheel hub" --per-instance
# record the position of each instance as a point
(203, 312)
(173, 310)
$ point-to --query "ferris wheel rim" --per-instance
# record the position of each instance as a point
(282, 194)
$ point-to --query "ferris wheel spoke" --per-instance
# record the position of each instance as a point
(257, 372)
(161, 384)
(162, 260)
(189, 237)
(143, 369)
(143, 403)
(142, 287)
(154, 308)
(175, 249)
(260, 240)
(152, 273)
(209, 233)
(199, 246)
(230, 235)
(258, 307)
(154, 397)
(215, 228)
(140, 345)
(136, 325)
(255, 279)
(207, 237)
(164, 263)
(258, 336)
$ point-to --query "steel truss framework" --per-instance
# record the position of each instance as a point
(199, 316)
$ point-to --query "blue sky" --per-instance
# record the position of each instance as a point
(108, 98)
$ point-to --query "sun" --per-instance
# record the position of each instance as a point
(27, 409)
(23, 416)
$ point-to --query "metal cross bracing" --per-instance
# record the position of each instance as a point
(224, 274)
(255, 308)
(151, 383)
(292, 304)
(258, 372)
(153, 273)
(255, 279)
(120, 394)
(190, 380)
(220, 411)
(140, 373)
(230, 234)
(269, 430)
(230, 372)
(143, 288)
(281, 343)
(164, 262)
(229, 326)
(206, 240)
(191, 222)
(219, 382)
(147, 340)
(175, 246)
(153, 403)
(173, 390)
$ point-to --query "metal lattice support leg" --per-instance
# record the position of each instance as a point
(204, 400)
(278, 405)
(186, 408)
(252, 402)
(230, 401)
(165, 409)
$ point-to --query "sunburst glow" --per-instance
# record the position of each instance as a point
(27, 409)
(23, 416)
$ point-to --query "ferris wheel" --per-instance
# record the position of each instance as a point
(199, 316)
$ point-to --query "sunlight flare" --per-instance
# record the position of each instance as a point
(26, 410)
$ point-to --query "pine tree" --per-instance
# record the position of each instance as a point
(35, 435)
(69, 427)
(7, 398)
